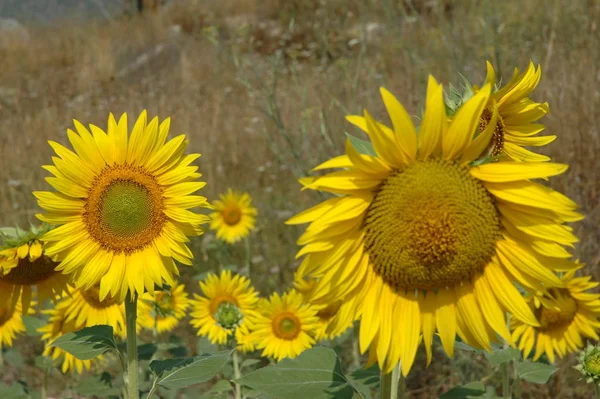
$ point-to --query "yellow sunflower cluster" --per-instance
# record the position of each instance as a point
(442, 228)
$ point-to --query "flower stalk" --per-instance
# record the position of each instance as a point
(131, 320)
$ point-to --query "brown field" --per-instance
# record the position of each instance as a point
(261, 88)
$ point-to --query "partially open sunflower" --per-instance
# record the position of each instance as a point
(122, 203)
(427, 241)
(162, 311)
(566, 316)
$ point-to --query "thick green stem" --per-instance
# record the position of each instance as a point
(132, 361)
(505, 382)
(247, 245)
(389, 383)
(597, 390)
(237, 374)
(44, 391)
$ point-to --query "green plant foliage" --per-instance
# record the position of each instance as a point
(87, 343)
(315, 374)
(97, 386)
(14, 391)
(362, 146)
(501, 356)
(180, 373)
(146, 351)
(44, 362)
(471, 390)
(538, 373)
(33, 323)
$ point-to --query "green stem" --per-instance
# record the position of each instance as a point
(247, 245)
(1, 356)
(597, 390)
(132, 371)
(355, 347)
(505, 382)
(44, 392)
(237, 374)
(389, 383)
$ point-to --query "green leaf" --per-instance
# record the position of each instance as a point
(362, 146)
(250, 362)
(87, 343)
(160, 366)
(471, 390)
(44, 362)
(315, 374)
(32, 324)
(97, 386)
(14, 391)
(365, 380)
(538, 373)
(146, 351)
(220, 387)
(203, 345)
(190, 371)
(501, 356)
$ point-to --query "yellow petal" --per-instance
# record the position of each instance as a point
(406, 134)
(499, 172)
(384, 144)
(433, 126)
(445, 319)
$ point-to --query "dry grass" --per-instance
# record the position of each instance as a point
(262, 87)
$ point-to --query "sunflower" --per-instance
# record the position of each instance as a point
(334, 318)
(85, 308)
(162, 311)
(27, 267)
(285, 325)
(227, 307)
(234, 216)
(122, 203)
(517, 114)
(57, 326)
(565, 316)
(11, 324)
(422, 240)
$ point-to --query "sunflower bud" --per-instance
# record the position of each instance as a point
(589, 363)
(228, 316)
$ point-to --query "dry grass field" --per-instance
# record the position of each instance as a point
(261, 88)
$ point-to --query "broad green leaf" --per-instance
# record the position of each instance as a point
(501, 356)
(365, 380)
(97, 386)
(315, 374)
(14, 391)
(471, 390)
(362, 146)
(160, 366)
(250, 362)
(9, 231)
(44, 362)
(146, 351)
(88, 343)
(32, 324)
(538, 373)
(203, 345)
(198, 369)
(220, 387)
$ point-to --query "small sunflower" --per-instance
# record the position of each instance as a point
(227, 307)
(57, 326)
(11, 324)
(27, 267)
(334, 318)
(285, 325)
(517, 114)
(122, 205)
(423, 240)
(162, 311)
(85, 308)
(565, 315)
(234, 216)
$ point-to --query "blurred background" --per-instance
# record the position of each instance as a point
(261, 88)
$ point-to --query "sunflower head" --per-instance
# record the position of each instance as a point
(589, 363)
(163, 310)
(285, 325)
(233, 217)
(122, 205)
(566, 316)
(226, 309)
(27, 267)
(425, 235)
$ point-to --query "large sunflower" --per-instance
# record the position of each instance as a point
(428, 242)
(285, 325)
(234, 216)
(122, 202)
(565, 316)
(162, 311)
(517, 114)
(11, 324)
(226, 309)
(27, 267)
